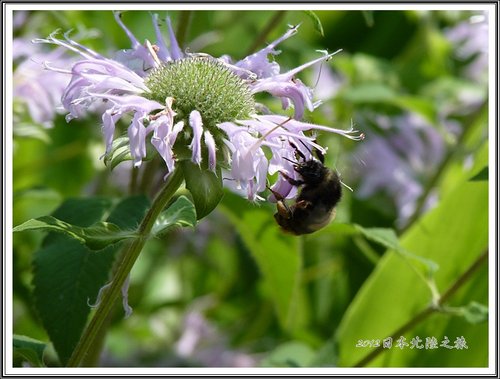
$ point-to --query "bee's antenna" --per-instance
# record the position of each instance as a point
(319, 154)
(289, 160)
(346, 186)
(307, 147)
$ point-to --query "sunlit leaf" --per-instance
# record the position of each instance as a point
(95, 237)
(453, 235)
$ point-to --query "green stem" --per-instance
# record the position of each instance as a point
(431, 309)
(128, 259)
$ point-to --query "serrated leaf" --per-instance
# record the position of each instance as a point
(180, 213)
(26, 349)
(316, 22)
(205, 187)
(68, 275)
(95, 237)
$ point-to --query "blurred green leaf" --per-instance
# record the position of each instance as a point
(33, 203)
(476, 312)
(180, 213)
(277, 255)
(454, 234)
(204, 185)
(384, 236)
(370, 93)
(368, 16)
(290, 354)
(388, 238)
(481, 175)
(26, 129)
(28, 350)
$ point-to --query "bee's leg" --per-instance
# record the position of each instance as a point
(283, 209)
(292, 181)
(303, 204)
(281, 206)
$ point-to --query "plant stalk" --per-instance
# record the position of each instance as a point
(431, 309)
(130, 255)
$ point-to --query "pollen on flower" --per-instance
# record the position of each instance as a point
(203, 84)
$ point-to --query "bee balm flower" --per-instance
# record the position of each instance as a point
(197, 106)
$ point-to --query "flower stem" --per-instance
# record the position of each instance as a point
(130, 255)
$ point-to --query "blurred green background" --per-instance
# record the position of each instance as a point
(235, 291)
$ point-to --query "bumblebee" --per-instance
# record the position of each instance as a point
(314, 207)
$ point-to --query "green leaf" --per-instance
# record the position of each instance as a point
(384, 236)
(475, 312)
(277, 255)
(68, 275)
(316, 22)
(481, 175)
(26, 349)
(181, 213)
(388, 238)
(95, 237)
(453, 234)
(205, 187)
(368, 17)
(120, 152)
(423, 107)
(83, 212)
(290, 354)
(370, 93)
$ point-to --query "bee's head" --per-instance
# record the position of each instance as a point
(312, 171)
